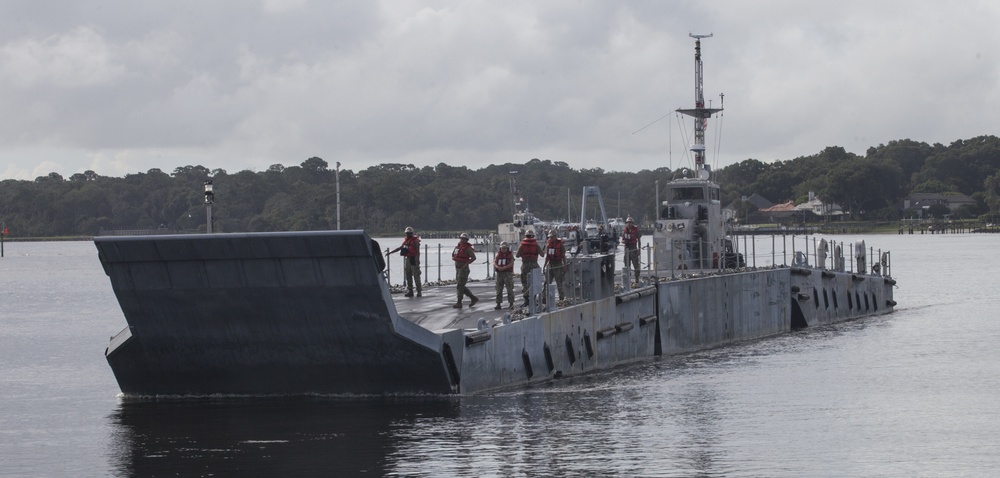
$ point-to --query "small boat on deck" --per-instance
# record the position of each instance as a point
(523, 220)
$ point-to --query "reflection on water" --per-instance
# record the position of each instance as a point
(263, 437)
(607, 424)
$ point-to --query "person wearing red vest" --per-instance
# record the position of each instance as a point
(410, 250)
(630, 237)
(463, 255)
(504, 265)
(528, 251)
(555, 262)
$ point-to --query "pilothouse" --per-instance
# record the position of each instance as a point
(691, 226)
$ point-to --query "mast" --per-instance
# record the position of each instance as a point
(518, 203)
(699, 112)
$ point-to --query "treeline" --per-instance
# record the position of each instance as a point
(873, 186)
(386, 198)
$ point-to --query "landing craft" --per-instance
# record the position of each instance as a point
(312, 313)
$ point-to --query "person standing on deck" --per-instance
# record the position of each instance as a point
(603, 239)
(504, 265)
(410, 250)
(630, 237)
(528, 251)
(463, 255)
(555, 262)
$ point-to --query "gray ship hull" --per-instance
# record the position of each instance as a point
(257, 314)
(311, 313)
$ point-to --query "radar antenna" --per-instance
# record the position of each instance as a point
(700, 113)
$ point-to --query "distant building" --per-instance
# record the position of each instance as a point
(923, 201)
(820, 208)
(758, 201)
(784, 212)
(751, 210)
(812, 210)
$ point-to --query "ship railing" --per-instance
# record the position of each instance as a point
(757, 252)
(746, 252)
(810, 251)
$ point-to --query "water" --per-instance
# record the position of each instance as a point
(913, 393)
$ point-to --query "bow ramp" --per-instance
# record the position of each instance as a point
(263, 313)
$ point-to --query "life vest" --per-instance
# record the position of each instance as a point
(410, 247)
(631, 235)
(554, 251)
(504, 261)
(528, 249)
(463, 254)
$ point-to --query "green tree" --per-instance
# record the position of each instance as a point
(938, 211)
(864, 184)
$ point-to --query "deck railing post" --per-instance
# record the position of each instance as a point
(784, 250)
(774, 249)
(793, 250)
(489, 259)
(388, 267)
(649, 257)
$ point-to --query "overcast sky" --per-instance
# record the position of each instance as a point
(121, 87)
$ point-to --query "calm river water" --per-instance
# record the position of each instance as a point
(913, 393)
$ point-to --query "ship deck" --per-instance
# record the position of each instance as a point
(434, 310)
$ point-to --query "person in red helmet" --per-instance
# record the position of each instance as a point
(410, 250)
(528, 251)
(630, 237)
(463, 255)
(504, 265)
(555, 262)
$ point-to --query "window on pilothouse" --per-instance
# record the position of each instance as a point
(688, 194)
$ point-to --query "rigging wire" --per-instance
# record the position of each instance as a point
(718, 133)
(670, 145)
(718, 141)
(651, 124)
(684, 134)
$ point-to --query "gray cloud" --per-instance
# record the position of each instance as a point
(121, 87)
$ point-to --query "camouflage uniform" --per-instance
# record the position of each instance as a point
(528, 252)
(630, 237)
(555, 264)
(410, 251)
(504, 266)
(463, 255)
